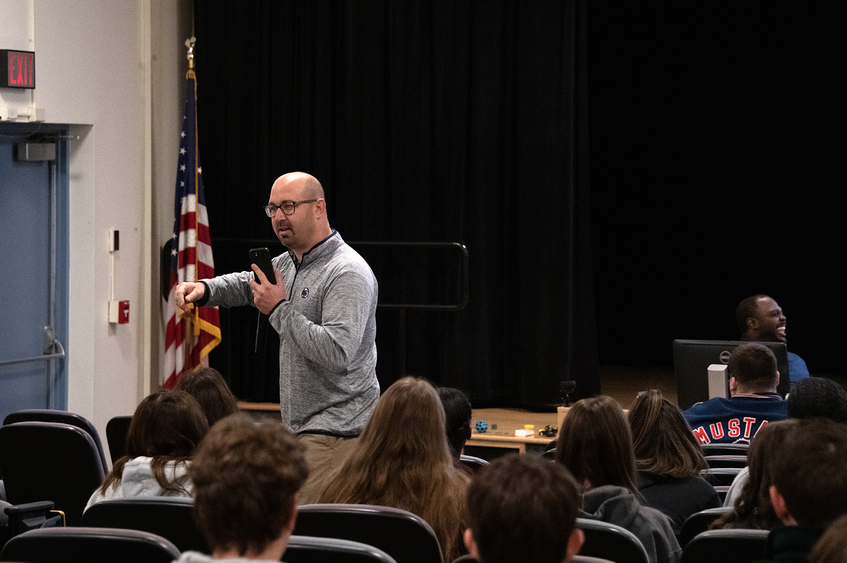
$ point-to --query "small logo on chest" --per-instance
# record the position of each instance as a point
(305, 293)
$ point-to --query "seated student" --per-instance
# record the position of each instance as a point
(809, 489)
(246, 476)
(814, 397)
(669, 459)
(595, 444)
(458, 413)
(208, 387)
(523, 508)
(752, 508)
(753, 399)
(402, 460)
(163, 432)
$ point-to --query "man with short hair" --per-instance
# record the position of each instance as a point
(760, 319)
(523, 508)
(809, 490)
(753, 401)
(323, 305)
(246, 475)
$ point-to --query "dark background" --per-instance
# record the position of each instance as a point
(715, 171)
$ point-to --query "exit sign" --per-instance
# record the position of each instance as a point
(17, 69)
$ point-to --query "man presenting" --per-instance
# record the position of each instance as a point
(323, 305)
(760, 319)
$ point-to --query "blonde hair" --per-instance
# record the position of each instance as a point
(403, 460)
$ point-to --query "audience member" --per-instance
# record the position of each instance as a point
(208, 387)
(832, 547)
(814, 397)
(753, 399)
(163, 432)
(246, 476)
(760, 319)
(457, 412)
(809, 489)
(403, 460)
(752, 505)
(669, 459)
(818, 397)
(523, 508)
(595, 444)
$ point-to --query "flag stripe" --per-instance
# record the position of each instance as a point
(189, 337)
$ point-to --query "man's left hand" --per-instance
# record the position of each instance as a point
(266, 295)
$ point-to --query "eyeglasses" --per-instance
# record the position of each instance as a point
(288, 207)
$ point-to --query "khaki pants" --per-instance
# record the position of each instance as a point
(323, 454)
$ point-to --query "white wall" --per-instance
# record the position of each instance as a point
(114, 71)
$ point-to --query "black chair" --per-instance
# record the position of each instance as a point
(50, 461)
(64, 417)
(580, 558)
(169, 517)
(472, 462)
(721, 478)
(699, 522)
(727, 546)
(725, 449)
(306, 549)
(402, 535)
(116, 430)
(718, 461)
(30, 516)
(88, 545)
(612, 542)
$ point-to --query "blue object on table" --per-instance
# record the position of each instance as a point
(481, 426)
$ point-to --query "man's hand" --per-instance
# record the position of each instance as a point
(187, 293)
(266, 295)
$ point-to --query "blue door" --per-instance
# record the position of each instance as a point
(33, 267)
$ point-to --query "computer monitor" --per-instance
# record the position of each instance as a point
(691, 360)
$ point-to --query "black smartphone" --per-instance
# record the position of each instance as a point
(262, 258)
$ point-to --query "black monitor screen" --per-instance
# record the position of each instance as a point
(692, 358)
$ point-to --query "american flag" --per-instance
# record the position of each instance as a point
(190, 336)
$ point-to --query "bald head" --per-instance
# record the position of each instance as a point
(312, 188)
(308, 224)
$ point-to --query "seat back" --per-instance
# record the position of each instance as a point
(472, 462)
(64, 417)
(88, 545)
(726, 546)
(305, 549)
(116, 430)
(404, 536)
(716, 461)
(721, 478)
(699, 522)
(169, 517)
(612, 542)
(50, 461)
(719, 448)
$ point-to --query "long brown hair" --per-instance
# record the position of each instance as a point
(755, 501)
(209, 388)
(403, 460)
(595, 444)
(663, 442)
(166, 426)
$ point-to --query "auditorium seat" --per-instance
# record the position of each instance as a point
(402, 535)
(727, 546)
(65, 417)
(699, 522)
(88, 545)
(610, 541)
(48, 461)
(307, 549)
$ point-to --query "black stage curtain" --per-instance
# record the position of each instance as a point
(425, 120)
